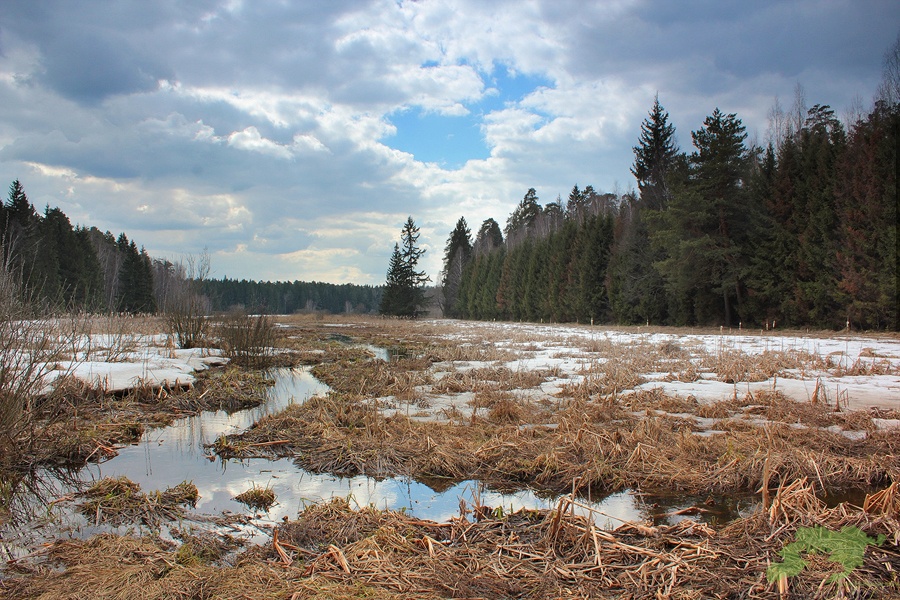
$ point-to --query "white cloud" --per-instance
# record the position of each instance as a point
(263, 130)
(251, 140)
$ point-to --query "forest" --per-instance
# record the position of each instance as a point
(62, 267)
(799, 233)
(286, 297)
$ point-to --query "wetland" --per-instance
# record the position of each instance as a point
(454, 459)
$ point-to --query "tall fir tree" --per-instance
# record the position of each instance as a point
(394, 286)
(637, 290)
(654, 156)
(404, 294)
(705, 226)
(457, 255)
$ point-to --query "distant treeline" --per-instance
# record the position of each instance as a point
(800, 233)
(65, 267)
(285, 297)
(61, 267)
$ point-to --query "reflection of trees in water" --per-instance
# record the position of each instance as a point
(29, 496)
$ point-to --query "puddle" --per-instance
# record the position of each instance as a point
(166, 456)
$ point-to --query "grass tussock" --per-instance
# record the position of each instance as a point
(376, 378)
(118, 500)
(257, 498)
(231, 388)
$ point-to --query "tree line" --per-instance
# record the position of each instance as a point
(66, 267)
(61, 267)
(801, 232)
(286, 297)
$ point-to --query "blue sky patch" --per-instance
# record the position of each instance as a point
(445, 140)
(511, 88)
(450, 141)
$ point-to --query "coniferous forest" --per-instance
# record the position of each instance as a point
(800, 233)
(66, 267)
(61, 267)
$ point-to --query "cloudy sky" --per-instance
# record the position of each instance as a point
(293, 138)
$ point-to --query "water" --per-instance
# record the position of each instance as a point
(164, 457)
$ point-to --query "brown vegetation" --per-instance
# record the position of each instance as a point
(472, 413)
(332, 551)
(120, 500)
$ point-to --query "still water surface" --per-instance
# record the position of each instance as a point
(167, 456)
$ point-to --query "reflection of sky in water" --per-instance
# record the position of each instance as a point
(167, 456)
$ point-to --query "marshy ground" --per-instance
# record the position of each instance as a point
(793, 420)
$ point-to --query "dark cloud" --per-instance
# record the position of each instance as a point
(90, 65)
(85, 55)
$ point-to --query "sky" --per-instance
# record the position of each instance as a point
(290, 140)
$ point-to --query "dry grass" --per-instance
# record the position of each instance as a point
(600, 446)
(118, 500)
(231, 388)
(494, 378)
(258, 498)
(334, 551)
(596, 435)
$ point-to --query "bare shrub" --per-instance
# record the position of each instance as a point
(247, 340)
(28, 349)
(185, 307)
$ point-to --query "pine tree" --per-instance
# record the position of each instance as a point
(488, 238)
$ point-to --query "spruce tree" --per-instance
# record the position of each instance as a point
(705, 227)
(867, 203)
(20, 236)
(457, 255)
(404, 294)
(637, 290)
(653, 157)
